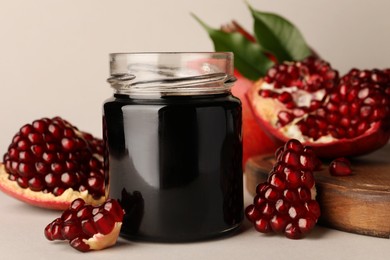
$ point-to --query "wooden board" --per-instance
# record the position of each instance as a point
(359, 203)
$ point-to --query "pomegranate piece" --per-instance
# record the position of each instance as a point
(87, 227)
(286, 203)
(337, 116)
(340, 167)
(50, 162)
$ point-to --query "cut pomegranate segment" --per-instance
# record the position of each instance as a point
(337, 117)
(87, 227)
(286, 203)
(49, 163)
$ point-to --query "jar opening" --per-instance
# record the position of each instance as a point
(172, 73)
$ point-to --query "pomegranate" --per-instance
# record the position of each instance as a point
(340, 167)
(255, 140)
(50, 162)
(87, 227)
(286, 203)
(337, 116)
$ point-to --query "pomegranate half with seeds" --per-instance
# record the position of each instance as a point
(337, 116)
(49, 163)
(87, 227)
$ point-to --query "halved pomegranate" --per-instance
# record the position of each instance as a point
(49, 163)
(87, 227)
(337, 117)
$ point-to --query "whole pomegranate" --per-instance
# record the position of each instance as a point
(337, 116)
(255, 140)
(49, 163)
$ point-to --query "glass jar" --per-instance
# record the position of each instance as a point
(174, 147)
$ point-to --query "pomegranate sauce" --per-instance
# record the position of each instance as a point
(175, 165)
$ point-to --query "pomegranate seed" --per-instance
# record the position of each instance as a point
(340, 167)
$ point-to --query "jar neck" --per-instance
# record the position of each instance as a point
(151, 75)
(207, 84)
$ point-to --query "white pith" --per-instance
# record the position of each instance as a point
(269, 109)
(100, 241)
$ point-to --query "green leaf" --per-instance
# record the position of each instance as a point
(279, 36)
(249, 57)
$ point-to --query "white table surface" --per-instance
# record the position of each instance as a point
(21, 237)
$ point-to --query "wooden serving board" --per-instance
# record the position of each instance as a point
(359, 203)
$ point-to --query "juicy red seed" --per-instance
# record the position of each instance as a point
(285, 97)
(71, 230)
(36, 184)
(22, 182)
(56, 168)
(25, 170)
(113, 206)
(267, 209)
(278, 223)
(57, 191)
(306, 224)
(23, 145)
(103, 223)
(314, 208)
(68, 144)
(266, 93)
(68, 215)
(40, 126)
(53, 230)
(282, 206)
(79, 244)
(293, 145)
(68, 179)
(55, 130)
(293, 177)
(95, 183)
(293, 231)
(262, 225)
(304, 194)
(340, 167)
(259, 201)
(85, 212)
(88, 227)
(77, 204)
(291, 195)
(285, 117)
(296, 211)
(271, 194)
(291, 158)
(278, 181)
(41, 168)
(252, 213)
(307, 179)
(52, 180)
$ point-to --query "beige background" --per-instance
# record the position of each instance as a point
(54, 53)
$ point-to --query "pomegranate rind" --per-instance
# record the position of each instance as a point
(265, 110)
(43, 200)
(100, 241)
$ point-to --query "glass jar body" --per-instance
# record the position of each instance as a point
(182, 158)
